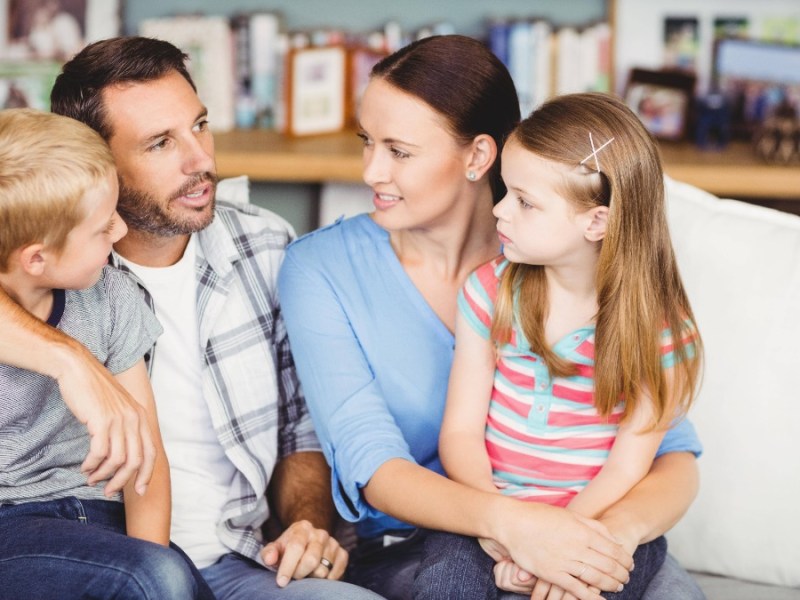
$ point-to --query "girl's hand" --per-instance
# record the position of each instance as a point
(494, 549)
(510, 578)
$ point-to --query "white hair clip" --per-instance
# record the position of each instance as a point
(595, 151)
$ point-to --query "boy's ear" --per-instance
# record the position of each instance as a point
(598, 223)
(482, 155)
(32, 259)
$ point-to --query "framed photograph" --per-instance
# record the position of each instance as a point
(361, 62)
(759, 80)
(317, 90)
(54, 29)
(208, 41)
(681, 42)
(27, 84)
(661, 99)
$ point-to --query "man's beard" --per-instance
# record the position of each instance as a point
(141, 211)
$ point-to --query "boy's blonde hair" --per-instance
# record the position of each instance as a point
(47, 164)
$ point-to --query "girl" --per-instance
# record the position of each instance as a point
(579, 341)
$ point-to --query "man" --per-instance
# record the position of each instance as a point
(233, 419)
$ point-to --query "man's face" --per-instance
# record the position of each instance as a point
(164, 154)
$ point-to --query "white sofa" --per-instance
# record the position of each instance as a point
(741, 267)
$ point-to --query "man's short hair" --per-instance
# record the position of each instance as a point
(78, 90)
(47, 164)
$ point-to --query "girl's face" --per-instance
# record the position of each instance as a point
(535, 223)
(415, 167)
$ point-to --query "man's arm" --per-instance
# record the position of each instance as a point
(299, 492)
(121, 443)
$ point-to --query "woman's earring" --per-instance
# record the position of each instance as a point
(471, 175)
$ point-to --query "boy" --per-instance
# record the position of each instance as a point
(60, 537)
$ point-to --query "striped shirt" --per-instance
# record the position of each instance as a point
(249, 381)
(544, 437)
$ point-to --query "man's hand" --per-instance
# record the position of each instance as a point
(121, 440)
(302, 551)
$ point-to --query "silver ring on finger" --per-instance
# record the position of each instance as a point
(326, 563)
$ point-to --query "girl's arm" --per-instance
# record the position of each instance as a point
(657, 502)
(628, 463)
(147, 516)
(462, 447)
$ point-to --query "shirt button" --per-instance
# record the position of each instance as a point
(540, 408)
(542, 386)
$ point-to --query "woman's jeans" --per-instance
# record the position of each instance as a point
(68, 549)
(455, 567)
(390, 570)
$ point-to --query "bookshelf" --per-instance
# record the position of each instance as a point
(267, 156)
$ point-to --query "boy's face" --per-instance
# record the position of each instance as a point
(79, 264)
(164, 154)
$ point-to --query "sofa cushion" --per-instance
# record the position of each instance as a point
(741, 267)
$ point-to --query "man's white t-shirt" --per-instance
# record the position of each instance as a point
(201, 472)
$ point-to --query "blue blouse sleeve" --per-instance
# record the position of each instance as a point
(682, 437)
(357, 431)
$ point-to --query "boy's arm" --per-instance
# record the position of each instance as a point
(462, 445)
(628, 462)
(147, 516)
(121, 442)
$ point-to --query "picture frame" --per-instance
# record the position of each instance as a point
(27, 84)
(662, 101)
(316, 90)
(759, 80)
(208, 42)
(54, 30)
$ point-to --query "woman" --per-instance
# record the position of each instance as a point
(370, 305)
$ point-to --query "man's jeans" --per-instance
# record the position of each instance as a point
(234, 577)
(68, 548)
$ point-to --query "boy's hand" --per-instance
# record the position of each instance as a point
(121, 441)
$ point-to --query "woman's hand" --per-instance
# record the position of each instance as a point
(562, 548)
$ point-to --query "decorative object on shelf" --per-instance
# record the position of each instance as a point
(37, 35)
(661, 99)
(27, 84)
(316, 90)
(778, 138)
(712, 122)
(208, 42)
(757, 78)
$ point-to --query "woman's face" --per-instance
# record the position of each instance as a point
(415, 167)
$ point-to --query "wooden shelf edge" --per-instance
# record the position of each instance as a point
(267, 156)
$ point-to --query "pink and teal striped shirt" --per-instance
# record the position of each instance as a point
(544, 437)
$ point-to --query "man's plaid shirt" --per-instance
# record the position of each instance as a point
(249, 380)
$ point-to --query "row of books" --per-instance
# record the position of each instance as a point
(253, 73)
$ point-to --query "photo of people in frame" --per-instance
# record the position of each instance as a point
(46, 29)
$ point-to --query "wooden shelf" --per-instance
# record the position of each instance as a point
(734, 172)
(269, 156)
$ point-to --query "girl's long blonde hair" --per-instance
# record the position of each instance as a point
(639, 290)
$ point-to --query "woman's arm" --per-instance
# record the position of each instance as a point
(121, 442)
(550, 542)
(147, 516)
(462, 445)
